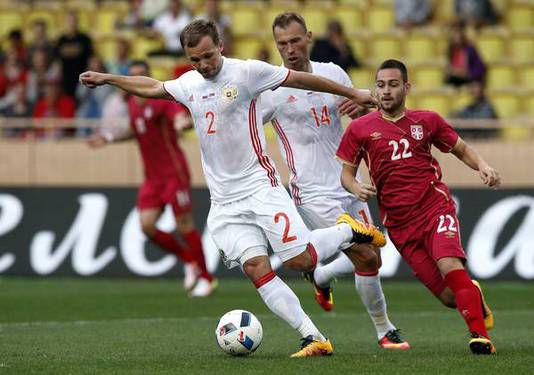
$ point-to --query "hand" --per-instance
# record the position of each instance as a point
(92, 79)
(96, 141)
(349, 108)
(489, 176)
(364, 192)
(364, 98)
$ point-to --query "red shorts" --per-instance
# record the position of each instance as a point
(157, 194)
(424, 242)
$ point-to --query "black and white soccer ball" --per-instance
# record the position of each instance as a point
(239, 332)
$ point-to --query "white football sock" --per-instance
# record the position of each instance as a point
(370, 290)
(331, 240)
(281, 300)
(341, 266)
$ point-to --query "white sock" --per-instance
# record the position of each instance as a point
(281, 300)
(341, 266)
(329, 241)
(370, 290)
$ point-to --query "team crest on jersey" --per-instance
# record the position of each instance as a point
(417, 132)
(229, 93)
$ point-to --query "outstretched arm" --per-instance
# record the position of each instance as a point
(145, 87)
(362, 191)
(103, 137)
(470, 157)
(312, 82)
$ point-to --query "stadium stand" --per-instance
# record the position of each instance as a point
(507, 48)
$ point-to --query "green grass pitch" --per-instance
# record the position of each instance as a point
(97, 326)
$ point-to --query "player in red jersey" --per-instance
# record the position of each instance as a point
(415, 205)
(167, 180)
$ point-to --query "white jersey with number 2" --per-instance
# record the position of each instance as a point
(227, 120)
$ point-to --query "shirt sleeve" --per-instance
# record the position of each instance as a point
(349, 147)
(175, 88)
(444, 137)
(263, 76)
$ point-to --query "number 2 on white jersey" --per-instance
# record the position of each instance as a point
(442, 227)
(396, 155)
(211, 119)
(286, 237)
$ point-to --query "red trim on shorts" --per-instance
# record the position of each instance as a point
(264, 279)
(256, 144)
(285, 79)
(313, 253)
(366, 273)
(295, 192)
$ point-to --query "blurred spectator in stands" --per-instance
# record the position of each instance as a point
(54, 104)
(214, 13)
(334, 48)
(73, 49)
(410, 13)
(40, 40)
(264, 54)
(181, 68)
(18, 107)
(476, 13)
(121, 64)
(464, 62)
(17, 46)
(150, 9)
(42, 70)
(479, 108)
(134, 19)
(90, 102)
(169, 25)
(12, 73)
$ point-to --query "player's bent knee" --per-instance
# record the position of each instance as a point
(184, 223)
(447, 298)
(149, 229)
(257, 267)
(301, 263)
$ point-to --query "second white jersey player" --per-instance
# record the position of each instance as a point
(308, 127)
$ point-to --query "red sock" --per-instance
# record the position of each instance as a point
(167, 242)
(467, 300)
(313, 254)
(194, 241)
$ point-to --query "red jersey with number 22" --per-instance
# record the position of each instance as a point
(401, 166)
(152, 122)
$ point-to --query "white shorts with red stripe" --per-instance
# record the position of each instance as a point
(244, 228)
(323, 212)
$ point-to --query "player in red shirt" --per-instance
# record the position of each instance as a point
(167, 180)
(415, 205)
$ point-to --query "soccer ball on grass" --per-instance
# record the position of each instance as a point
(239, 332)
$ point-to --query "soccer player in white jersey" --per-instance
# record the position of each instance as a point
(249, 206)
(309, 131)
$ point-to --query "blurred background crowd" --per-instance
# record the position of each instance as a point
(470, 59)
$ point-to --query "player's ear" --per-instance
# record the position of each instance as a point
(221, 46)
(407, 87)
(309, 37)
